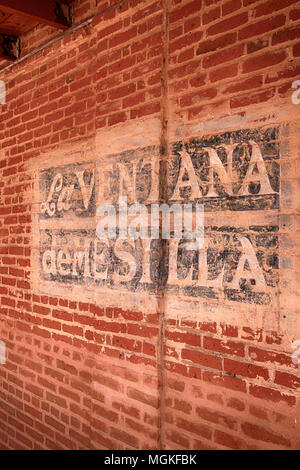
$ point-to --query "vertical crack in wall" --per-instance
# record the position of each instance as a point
(163, 198)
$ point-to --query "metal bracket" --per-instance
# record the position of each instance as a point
(11, 46)
(64, 13)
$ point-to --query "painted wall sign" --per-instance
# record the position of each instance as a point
(235, 171)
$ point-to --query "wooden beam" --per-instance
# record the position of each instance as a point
(52, 12)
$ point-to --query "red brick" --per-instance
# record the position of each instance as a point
(184, 337)
(295, 14)
(233, 442)
(191, 24)
(187, 10)
(231, 6)
(184, 41)
(261, 27)
(225, 381)
(271, 394)
(255, 98)
(116, 118)
(186, 55)
(221, 42)
(223, 56)
(196, 97)
(86, 375)
(109, 30)
(222, 73)
(269, 7)
(226, 347)
(272, 357)
(151, 108)
(296, 50)
(123, 37)
(228, 24)
(214, 416)
(122, 91)
(248, 84)
(245, 369)
(123, 436)
(262, 61)
(263, 434)
(184, 70)
(194, 427)
(286, 35)
(198, 357)
(287, 380)
(211, 15)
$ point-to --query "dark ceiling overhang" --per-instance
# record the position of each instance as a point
(19, 16)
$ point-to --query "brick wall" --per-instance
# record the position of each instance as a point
(202, 358)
